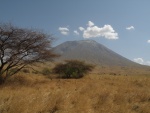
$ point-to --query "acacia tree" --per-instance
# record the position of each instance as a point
(20, 48)
(72, 69)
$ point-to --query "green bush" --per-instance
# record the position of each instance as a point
(72, 69)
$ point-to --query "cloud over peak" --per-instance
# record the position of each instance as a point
(130, 28)
(63, 30)
(93, 31)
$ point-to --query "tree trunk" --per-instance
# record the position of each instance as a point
(2, 80)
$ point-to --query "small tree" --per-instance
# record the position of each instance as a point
(22, 47)
(72, 69)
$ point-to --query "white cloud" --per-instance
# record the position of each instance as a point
(139, 60)
(76, 32)
(94, 31)
(64, 30)
(130, 28)
(81, 29)
(148, 63)
(148, 41)
(90, 24)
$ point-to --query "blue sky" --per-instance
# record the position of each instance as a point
(121, 25)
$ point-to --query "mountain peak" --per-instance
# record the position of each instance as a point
(88, 41)
(92, 52)
(82, 41)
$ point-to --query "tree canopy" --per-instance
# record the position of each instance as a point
(20, 47)
(72, 69)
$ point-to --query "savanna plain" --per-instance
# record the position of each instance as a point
(104, 90)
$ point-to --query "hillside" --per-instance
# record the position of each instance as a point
(91, 52)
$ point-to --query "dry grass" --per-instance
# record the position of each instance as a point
(95, 93)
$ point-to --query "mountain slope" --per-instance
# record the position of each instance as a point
(91, 52)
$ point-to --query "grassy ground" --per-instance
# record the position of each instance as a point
(95, 93)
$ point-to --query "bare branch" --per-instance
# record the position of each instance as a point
(22, 47)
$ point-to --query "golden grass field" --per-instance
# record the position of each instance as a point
(98, 92)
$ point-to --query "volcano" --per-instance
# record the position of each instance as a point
(92, 52)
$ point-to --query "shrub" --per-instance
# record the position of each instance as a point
(72, 69)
